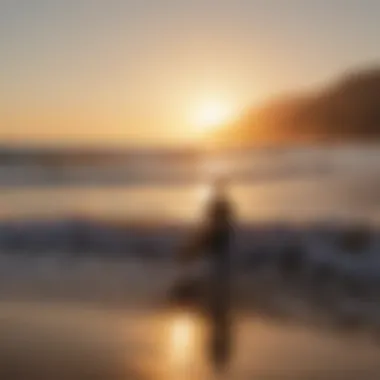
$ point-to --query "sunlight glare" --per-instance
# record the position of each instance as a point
(212, 114)
(182, 339)
(184, 345)
(181, 336)
(204, 193)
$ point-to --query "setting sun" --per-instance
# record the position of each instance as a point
(212, 114)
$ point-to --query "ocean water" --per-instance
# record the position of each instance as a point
(303, 184)
(101, 316)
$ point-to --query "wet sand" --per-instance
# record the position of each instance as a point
(66, 341)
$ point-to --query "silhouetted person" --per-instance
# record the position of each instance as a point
(213, 240)
(219, 218)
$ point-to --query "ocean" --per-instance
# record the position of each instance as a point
(95, 306)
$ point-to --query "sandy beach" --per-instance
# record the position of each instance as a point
(42, 340)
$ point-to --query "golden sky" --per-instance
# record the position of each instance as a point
(143, 71)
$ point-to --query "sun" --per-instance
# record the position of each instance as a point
(212, 114)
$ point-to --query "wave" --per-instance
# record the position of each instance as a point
(326, 273)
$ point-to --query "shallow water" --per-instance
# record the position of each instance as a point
(58, 334)
(313, 199)
(40, 340)
(107, 319)
(292, 185)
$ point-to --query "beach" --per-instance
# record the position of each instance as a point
(42, 340)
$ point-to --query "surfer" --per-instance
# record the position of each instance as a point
(212, 242)
(219, 220)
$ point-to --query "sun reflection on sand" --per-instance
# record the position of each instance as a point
(181, 339)
(184, 346)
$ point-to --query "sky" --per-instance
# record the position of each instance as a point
(135, 72)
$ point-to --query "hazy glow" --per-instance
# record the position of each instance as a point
(204, 193)
(182, 343)
(165, 72)
(212, 114)
(181, 336)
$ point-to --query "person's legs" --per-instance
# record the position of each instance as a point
(220, 337)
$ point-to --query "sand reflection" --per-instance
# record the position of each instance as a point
(183, 346)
